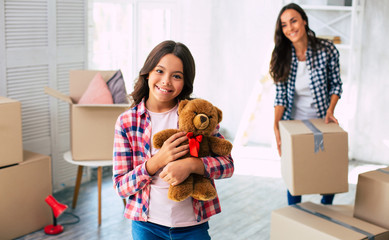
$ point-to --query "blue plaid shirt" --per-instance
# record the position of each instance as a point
(325, 81)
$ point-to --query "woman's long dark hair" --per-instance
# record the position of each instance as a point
(141, 87)
(282, 53)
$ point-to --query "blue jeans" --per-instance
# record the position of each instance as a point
(326, 199)
(151, 231)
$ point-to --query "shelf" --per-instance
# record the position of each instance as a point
(343, 46)
(327, 8)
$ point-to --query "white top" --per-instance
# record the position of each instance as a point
(162, 210)
(303, 107)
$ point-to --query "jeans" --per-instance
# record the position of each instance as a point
(151, 231)
(326, 199)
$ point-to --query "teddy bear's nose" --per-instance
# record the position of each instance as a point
(203, 119)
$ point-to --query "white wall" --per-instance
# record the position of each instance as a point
(232, 41)
(371, 136)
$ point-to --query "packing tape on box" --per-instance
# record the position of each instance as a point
(317, 135)
(382, 170)
(367, 234)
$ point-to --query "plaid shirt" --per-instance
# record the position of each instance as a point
(132, 181)
(324, 73)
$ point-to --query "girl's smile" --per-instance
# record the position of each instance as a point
(166, 82)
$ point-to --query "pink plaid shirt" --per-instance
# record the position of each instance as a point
(132, 181)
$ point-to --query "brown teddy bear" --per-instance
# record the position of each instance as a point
(198, 118)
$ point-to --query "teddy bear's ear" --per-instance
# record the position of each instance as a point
(219, 114)
(182, 105)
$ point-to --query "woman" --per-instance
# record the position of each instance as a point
(306, 73)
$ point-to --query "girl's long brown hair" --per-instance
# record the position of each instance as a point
(282, 53)
(141, 87)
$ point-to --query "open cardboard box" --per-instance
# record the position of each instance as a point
(306, 171)
(372, 197)
(92, 125)
(321, 222)
(11, 146)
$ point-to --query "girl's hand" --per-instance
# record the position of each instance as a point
(330, 118)
(170, 151)
(175, 172)
(278, 139)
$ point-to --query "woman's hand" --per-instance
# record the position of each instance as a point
(176, 172)
(170, 151)
(278, 139)
(330, 117)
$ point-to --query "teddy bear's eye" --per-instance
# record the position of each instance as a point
(195, 113)
(209, 117)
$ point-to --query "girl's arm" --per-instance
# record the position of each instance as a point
(211, 167)
(217, 167)
(128, 179)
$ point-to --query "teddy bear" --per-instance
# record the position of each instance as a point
(198, 118)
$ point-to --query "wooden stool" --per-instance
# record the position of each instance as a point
(88, 163)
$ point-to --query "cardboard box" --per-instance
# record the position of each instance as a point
(329, 223)
(308, 169)
(11, 142)
(23, 189)
(92, 125)
(372, 197)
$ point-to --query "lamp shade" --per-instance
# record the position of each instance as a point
(58, 208)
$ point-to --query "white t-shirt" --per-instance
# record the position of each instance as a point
(162, 210)
(303, 105)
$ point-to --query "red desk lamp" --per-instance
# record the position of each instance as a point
(58, 209)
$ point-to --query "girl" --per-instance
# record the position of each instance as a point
(306, 73)
(143, 174)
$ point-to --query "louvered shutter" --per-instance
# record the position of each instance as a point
(42, 41)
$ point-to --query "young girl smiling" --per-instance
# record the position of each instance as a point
(143, 174)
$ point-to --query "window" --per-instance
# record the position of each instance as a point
(122, 33)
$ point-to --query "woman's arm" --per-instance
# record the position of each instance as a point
(279, 109)
(278, 113)
(334, 84)
(330, 111)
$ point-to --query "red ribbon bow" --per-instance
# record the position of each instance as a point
(194, 143)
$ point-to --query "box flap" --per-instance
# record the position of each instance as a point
(326, 127)
(341, 217)
(124, 106)
(79, 81)
(7, 100)
(381, 174)
(297, 127)
(59, 95)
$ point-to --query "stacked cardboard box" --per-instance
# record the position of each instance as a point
(11, 148)
(25, 178)
(372, 197)
(314, 157)
(92, 125)
(307, 221)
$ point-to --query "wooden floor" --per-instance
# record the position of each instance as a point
(247, 202)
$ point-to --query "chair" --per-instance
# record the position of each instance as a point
(99, 164)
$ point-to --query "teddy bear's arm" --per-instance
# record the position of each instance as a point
(220, 146)
(160, 137)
